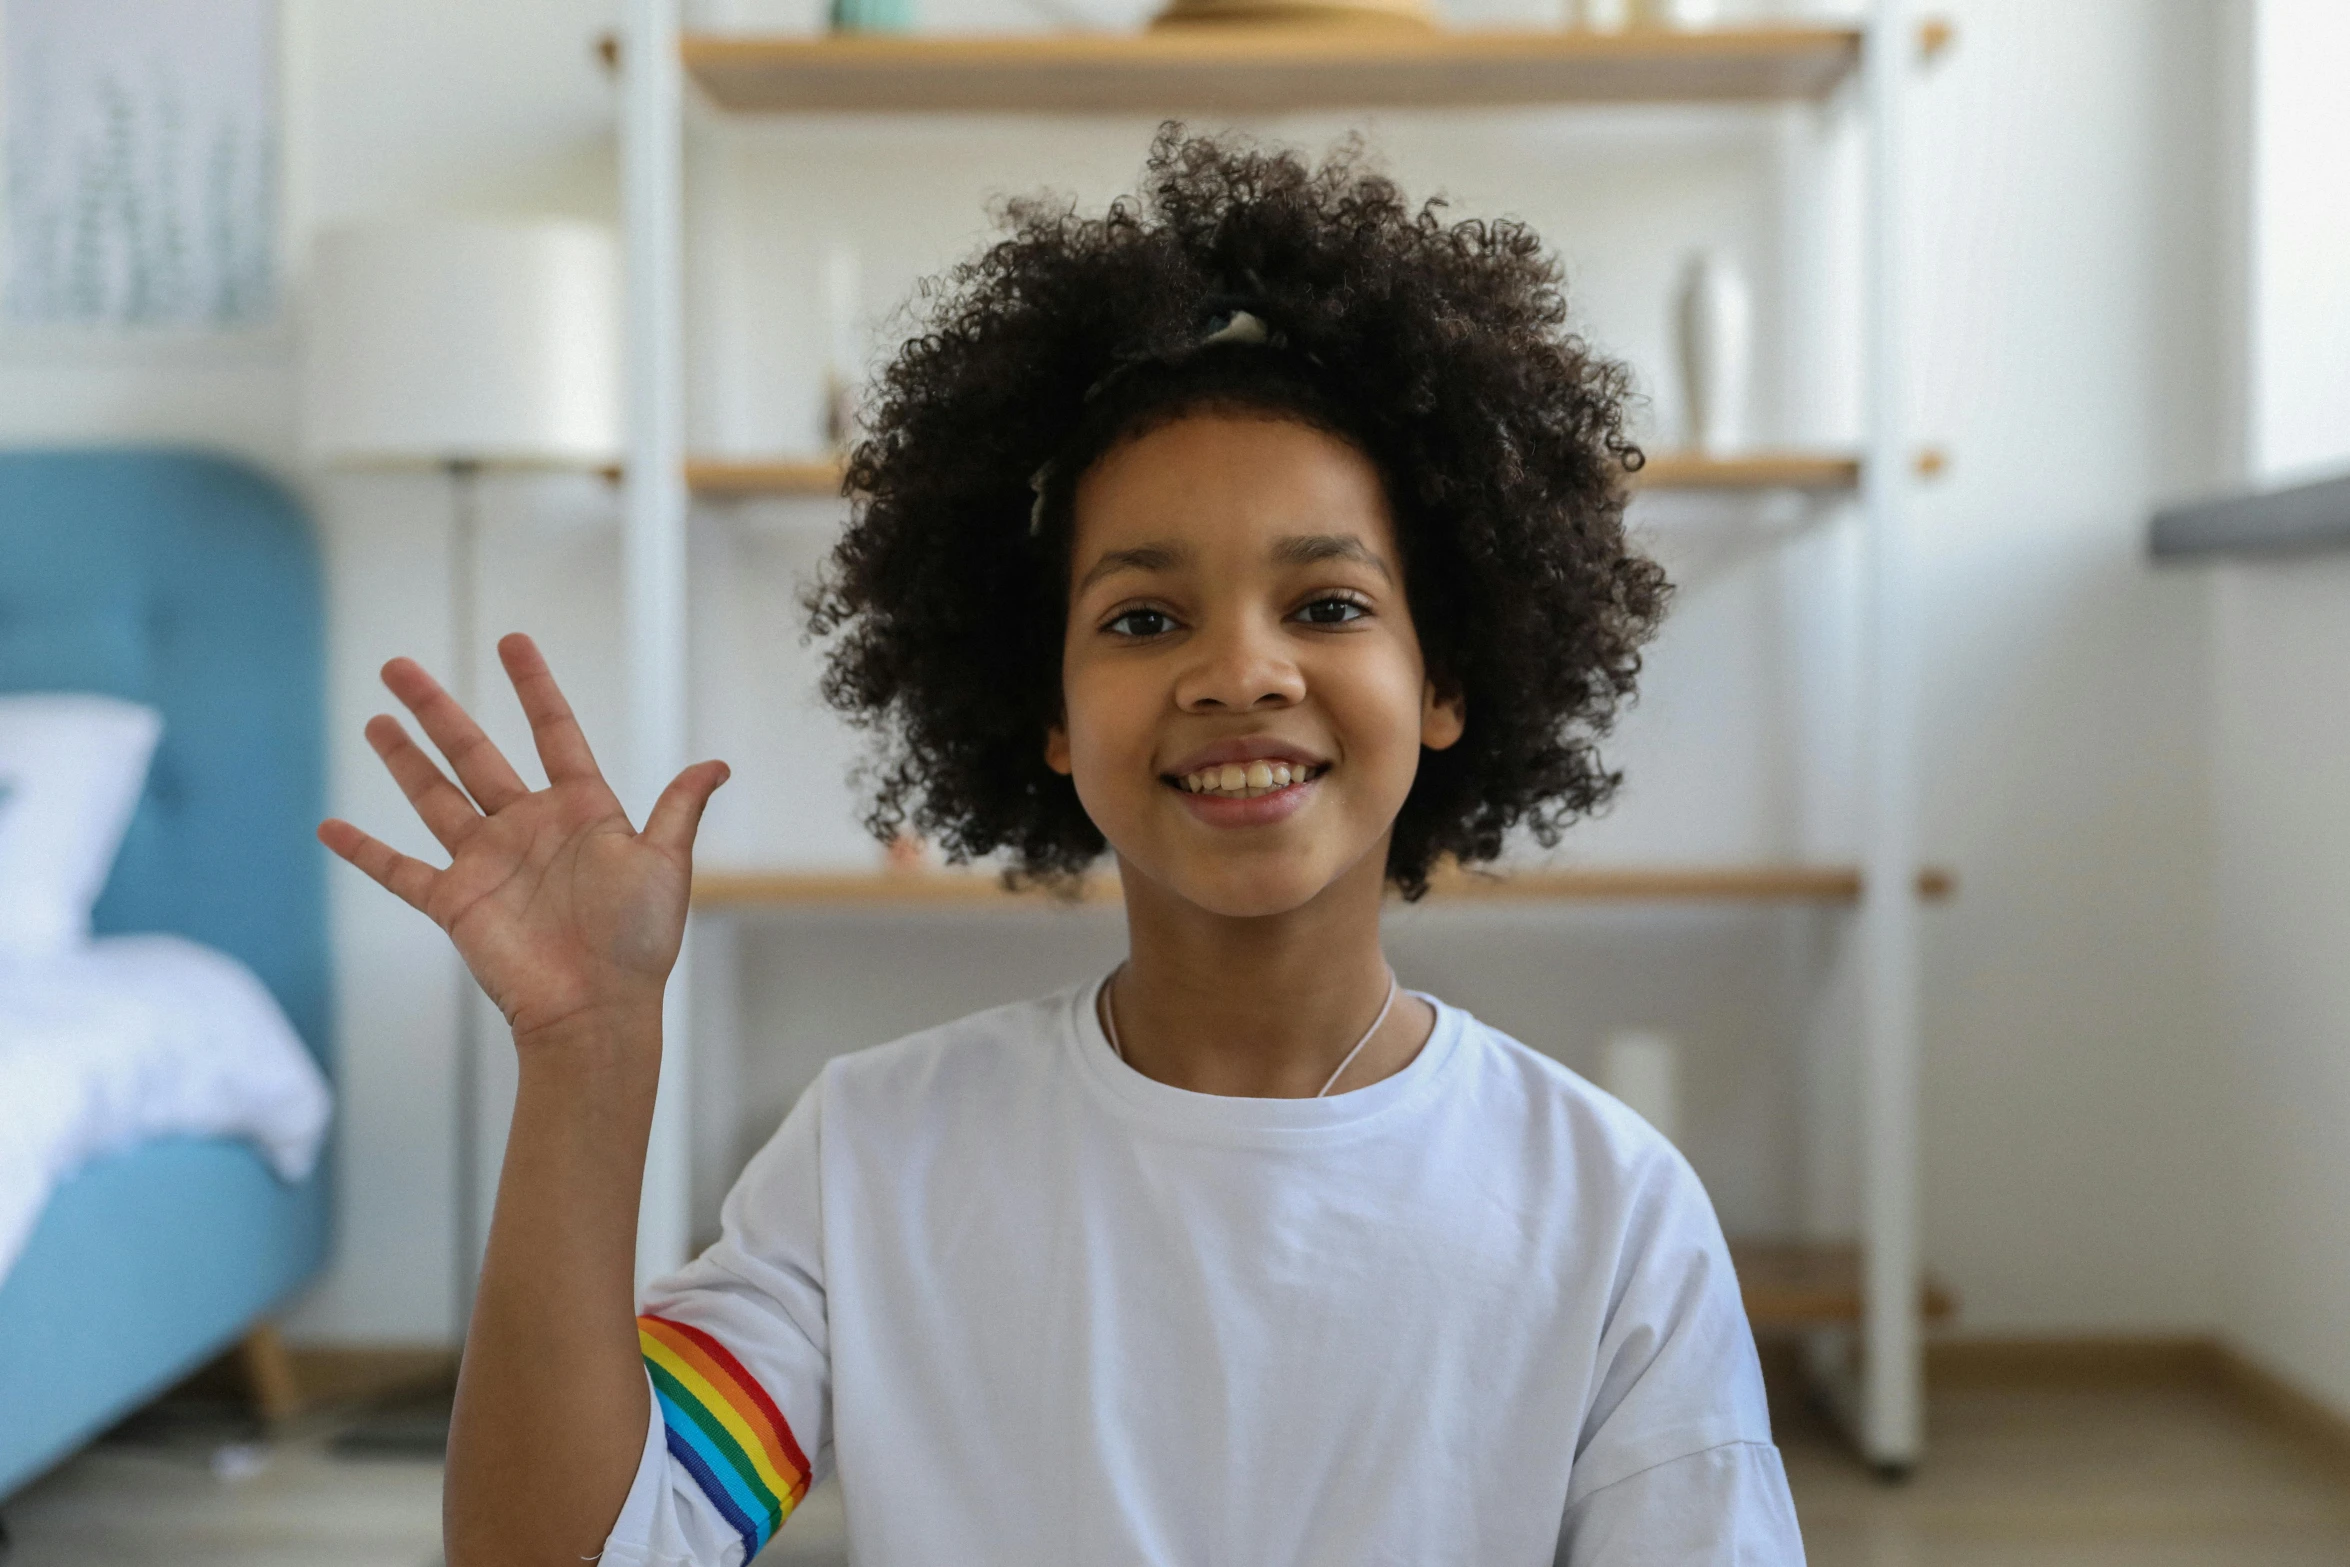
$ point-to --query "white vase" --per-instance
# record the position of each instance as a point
(1715, 323)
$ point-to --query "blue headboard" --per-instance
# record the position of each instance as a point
(188, 582)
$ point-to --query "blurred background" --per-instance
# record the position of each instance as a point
(358, 278)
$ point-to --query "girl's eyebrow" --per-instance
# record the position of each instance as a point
(1298, 549)
(1142, 557)
(1306, 549)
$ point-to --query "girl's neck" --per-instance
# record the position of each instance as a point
(1262, 1008)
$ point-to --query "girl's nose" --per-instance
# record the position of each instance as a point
(1239, 668)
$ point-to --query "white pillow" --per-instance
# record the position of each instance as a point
(72, 768)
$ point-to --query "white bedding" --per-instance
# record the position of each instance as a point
(133, 1037)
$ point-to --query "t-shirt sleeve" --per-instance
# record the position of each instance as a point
(1674, 1462)
(1725, 1507)
(737, 1356)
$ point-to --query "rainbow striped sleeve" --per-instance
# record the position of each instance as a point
(724, 1429)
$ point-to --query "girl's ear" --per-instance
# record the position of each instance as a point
(1056, 750)
(1442, 717)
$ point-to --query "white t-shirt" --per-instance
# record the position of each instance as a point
(1040, 1309)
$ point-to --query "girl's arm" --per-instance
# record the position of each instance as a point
(551, 1401)
(571, 920)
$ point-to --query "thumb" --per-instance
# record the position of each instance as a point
(678, 813)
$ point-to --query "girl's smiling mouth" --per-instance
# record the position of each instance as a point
(1245, 783)
(1246, 780)
(1250, 807)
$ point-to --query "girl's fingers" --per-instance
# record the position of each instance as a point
(406, 878)
(563, 747)
(480, 766)
(678, 813)
(443, 806)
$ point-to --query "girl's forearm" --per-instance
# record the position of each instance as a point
(551, 1402)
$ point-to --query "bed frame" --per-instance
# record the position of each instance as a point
(191, 583)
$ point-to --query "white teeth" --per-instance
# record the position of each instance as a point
(1245, 781)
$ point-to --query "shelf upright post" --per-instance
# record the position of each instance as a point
(652, 173)
(1892, 1392)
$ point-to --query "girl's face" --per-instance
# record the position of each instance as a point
(1243, 694)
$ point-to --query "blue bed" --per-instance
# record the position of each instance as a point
(190, 583)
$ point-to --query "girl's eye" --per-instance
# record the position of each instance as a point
(1333, 611)
(1141, 623)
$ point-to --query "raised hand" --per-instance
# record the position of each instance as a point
(562, 910)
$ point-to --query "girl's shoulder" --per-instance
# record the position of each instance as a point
(979, 1055)
(1529, 1096)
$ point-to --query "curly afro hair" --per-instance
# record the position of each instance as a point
(1438, 349)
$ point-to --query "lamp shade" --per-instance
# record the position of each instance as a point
(464, 341)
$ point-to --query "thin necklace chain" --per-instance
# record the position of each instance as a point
(1110, 1026)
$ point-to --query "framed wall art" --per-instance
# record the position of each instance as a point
(142, 166)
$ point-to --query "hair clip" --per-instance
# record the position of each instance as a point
(1238, 326)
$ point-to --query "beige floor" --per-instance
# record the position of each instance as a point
(2083, 1478)
(2146, 1478)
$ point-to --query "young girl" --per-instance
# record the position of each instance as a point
(1268, 533)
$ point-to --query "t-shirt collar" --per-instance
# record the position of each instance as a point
(1257, 1122)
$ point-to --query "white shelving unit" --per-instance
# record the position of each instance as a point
(1875, 1286)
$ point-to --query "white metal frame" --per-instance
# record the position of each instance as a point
(1888, 1414)
(1890, 1420)
(652, 171)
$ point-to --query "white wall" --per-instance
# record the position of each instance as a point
(2281, 739)
(2063, 198)
(2067, 997)
(2282, 756)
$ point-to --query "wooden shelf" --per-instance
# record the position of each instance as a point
(1752, 471)
(722, 478)
(1267, 69)
(1799, 1284)
(737, 889)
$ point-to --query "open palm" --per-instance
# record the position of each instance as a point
(560, 908)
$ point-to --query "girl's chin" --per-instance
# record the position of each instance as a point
(1244, 886)
(1255, 902)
